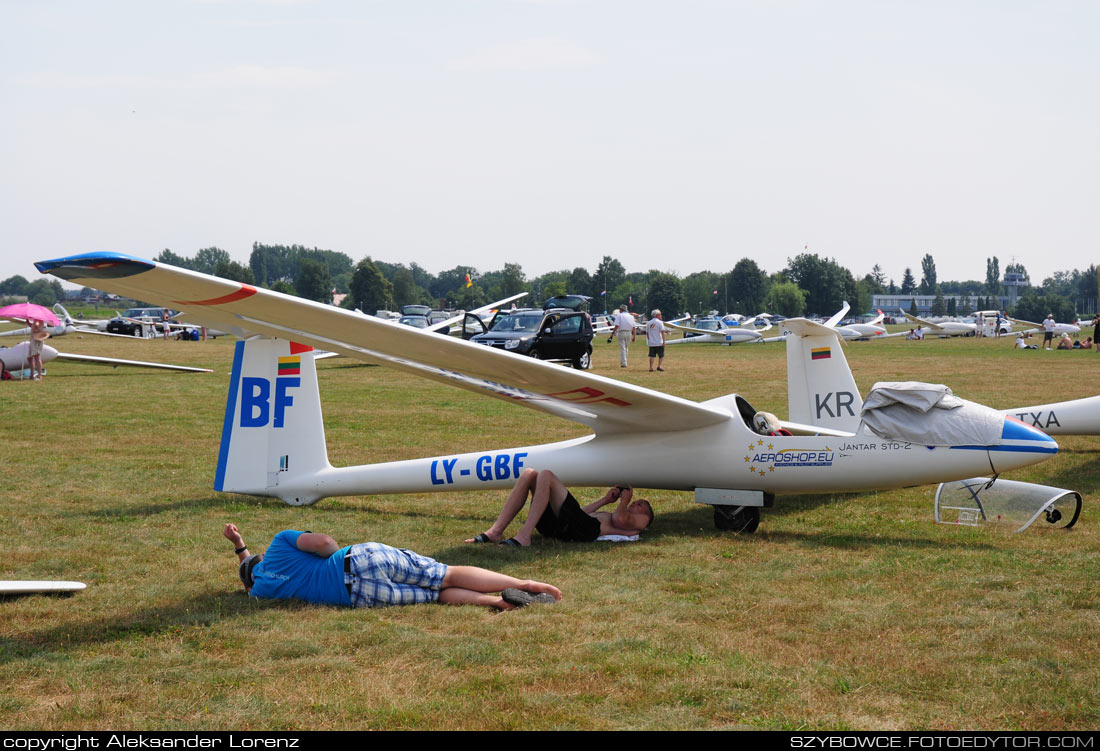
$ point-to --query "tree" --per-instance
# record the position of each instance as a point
(1034, 307)
(580, 282)
(207, 260)
(287, 288)
(879, 277)
(748, 287)
(928, 275)
(913, 308)
(554, 289)
(863, 299)
(826, 283)
(314, 282)
(370, 291)
(939, 307)
(235, 271)
(699, 290)
(466, 298)
(992, 276)
(965, 306)
(512, 280)
(666, 294)
(609, 275)
(14, 285)
(908, 283)
(44, 293)
(874, 287)
(452, 280)
(785, 299)
(404, 289)
(952, 307)
(173, 259)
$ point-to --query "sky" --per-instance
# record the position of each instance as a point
(680, 135)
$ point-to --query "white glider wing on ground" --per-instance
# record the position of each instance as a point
(15, 358)
(273, 436)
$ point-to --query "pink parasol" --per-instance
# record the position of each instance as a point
(27, 312)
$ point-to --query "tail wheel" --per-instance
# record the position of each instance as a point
(743, 519)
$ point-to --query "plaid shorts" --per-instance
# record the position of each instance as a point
(378, 575)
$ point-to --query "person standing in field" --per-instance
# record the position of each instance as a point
(655, 332)
(1048, 331)
(624, 330)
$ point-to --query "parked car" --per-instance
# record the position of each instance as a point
(417, 322)
(130, 322)
(708, 323)
(560, 334)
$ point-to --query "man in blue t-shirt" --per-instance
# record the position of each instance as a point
(312, 567)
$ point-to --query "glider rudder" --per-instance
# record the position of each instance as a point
(273, 433)
(820, 388)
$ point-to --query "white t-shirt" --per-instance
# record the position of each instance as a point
(1048, 324)
(624, 322)
(653, 331)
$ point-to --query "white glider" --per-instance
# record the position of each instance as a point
(947, 328)
(273, 436)
(744, 332)
(828, 397)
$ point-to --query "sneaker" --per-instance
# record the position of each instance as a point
(521, 598)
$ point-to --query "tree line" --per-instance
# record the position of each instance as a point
(808, 284)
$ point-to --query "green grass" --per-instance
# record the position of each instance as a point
(842, 611)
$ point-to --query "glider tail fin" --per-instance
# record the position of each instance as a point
(273, 437)
(820, 388)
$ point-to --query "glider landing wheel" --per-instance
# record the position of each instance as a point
(730, 519)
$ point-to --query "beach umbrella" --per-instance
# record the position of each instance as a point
(27, 312)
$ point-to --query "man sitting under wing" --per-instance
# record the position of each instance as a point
(312, 567)
(555, 513)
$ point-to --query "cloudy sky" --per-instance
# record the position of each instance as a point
(679, 135)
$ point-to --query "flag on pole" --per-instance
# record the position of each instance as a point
(469, 282)
(603, 293)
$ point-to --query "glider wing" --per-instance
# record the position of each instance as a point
(603, 404)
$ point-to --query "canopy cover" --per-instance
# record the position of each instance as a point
(929, 414)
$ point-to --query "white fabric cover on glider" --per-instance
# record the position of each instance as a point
(929, 414)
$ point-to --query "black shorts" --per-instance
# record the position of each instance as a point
(570, 524)
(657, 351)
(1048, 336)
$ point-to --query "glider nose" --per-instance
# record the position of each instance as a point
(1021, 445)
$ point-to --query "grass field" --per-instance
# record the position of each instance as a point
(842, 611)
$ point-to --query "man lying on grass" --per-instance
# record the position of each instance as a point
(312, 567)
(555, 513)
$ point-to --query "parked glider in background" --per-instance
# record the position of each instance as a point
(67, 325)
(947, 328)
(1059, 328)
(853, 331)
(826, 395)
(273, 441)
(743, 332)
(15, 358)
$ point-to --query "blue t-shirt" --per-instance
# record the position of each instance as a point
(289, 573)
